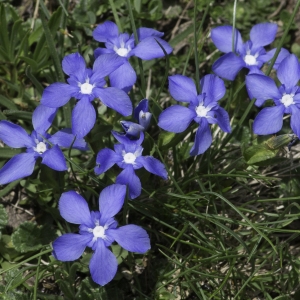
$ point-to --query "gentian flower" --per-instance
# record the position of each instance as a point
(128, 156)
(85, 85)
(203, 109)
(124, 45)
(22, 165)
(143, 116)
(250, 55)
(286, 98)
(98, 230)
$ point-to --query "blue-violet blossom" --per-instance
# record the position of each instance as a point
(85, 85)
(22, 165)
(98, 230)
(203, 109)
(286, 97)
(124, 45)
(143, 116)
(250, 55)
(128, 156)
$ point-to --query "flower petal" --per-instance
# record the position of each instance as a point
(74, 209)
(262, 34)
(123, 78)
(14, 135)
(269, 120)
(289, 72)
(19, 166)
(295, 119)
(132, 130)
(70, 246)
(129, 178)
(54, 159)
(269, 55)
(222, 118)
(131, 237)
(222, 38)
(115, 99)
(142, 106)
(153, 166)
(203, 138)
(106, 158)
(149, 48)
(99, 51)
(103, 264)
(213, 87)
(111, 201)
(262, 88)
(106, 64)
(182, 88)
(176, 118)
(145, 32)
(74, 64)
(83, 118)
(42, 118)
(106, 31)
(58, 94)
(228, 66)
(65, 137)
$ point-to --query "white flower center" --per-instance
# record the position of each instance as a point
(99, 232)
(250, 60)
(122, 52)
(202, 111)
(86, 88)
(129, 158)
(287, 99)
(40, 147)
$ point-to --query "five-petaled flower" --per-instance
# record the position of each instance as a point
(124, 45)
(286, 98)
(98, 230)
(250, 55)
(37, 146)
(203, 109)
(128, 156)
(85, 85)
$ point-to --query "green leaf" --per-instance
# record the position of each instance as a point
(31, 237)
(7, 103)
(258, 153)
(31, 62)
(14, 34)
(4, 40)
(19, 114)
(119, 252)
(50, 41)
(34, 80)
(3, 217)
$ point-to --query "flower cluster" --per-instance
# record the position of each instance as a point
(99, 229)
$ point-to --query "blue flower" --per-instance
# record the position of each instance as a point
(98, 230)
(22, 165)
(123, 45)
(143, 116)
(128, 156)
(85, 85)
(250, 55)
(203, 109)
(286, 98)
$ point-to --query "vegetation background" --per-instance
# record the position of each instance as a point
(226, 223)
